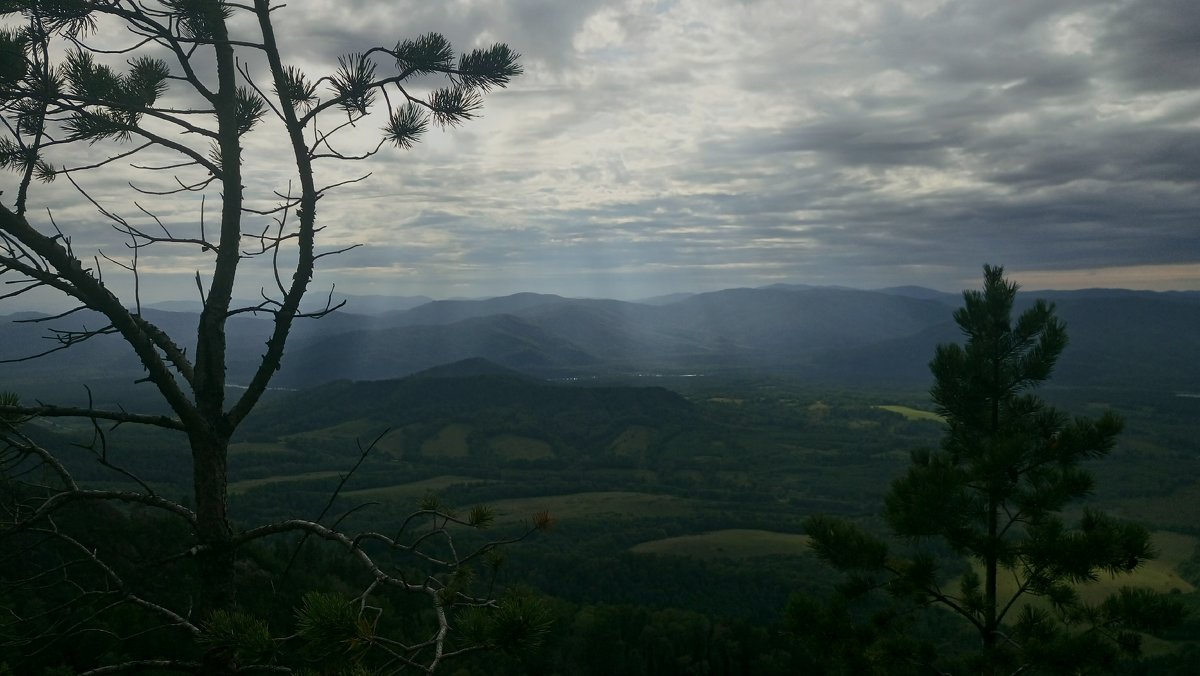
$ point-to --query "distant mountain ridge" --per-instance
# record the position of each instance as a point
(1118, 337)
(358, 304)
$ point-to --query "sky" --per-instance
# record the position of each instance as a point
(663, 146)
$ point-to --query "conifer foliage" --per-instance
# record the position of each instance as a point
(994, 495)
(176, 90)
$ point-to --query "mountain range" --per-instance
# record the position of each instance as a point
(1119, 338)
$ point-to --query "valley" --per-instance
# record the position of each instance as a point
(677, 481)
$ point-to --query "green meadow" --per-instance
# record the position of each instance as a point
(239, 487)
(413, 491)
(1159, 575)
(592, 505)
(911, 413)
(732, 543)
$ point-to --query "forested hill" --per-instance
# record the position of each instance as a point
(489, 399)
(1119, 338)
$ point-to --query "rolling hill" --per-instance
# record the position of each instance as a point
(481, 408)
(1119, 338)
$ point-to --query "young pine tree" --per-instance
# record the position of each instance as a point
(994, 494)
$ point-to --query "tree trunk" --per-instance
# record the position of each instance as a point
(210, 485)
(989, 589)
(992, 553)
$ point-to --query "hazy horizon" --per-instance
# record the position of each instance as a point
(33, 302)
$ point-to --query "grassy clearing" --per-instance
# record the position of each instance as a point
(350, 435)
(738, 543)
(911, 413)
(634, 441)
(237, 487)
(1158, 575)
(605, 504)
(450, 442)
(412, 491)
(363, 429)
(1174, 548)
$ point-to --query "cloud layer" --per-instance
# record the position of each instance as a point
(655, 146)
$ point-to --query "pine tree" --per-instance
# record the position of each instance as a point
(994, 494)
(177, 91)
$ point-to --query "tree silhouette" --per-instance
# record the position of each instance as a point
(178, 100)
(994, 494)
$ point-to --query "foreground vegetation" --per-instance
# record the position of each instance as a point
(178, 91)
(993, 496)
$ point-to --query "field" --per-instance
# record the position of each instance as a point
(590, 505)
(238, 487)
(633, 441)
(450, 442)
(1157, 575)
(734, 543)
(912, 413)
(412, 491)
(351, 434)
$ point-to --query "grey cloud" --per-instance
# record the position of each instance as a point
(1055, 78)
(996, 145)
(1121, 156)
(540, 29)
(738, 149)
(1154, 45)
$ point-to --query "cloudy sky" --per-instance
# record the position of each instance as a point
(661, 146)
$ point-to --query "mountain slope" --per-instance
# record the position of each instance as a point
(480, 403)
(1119, 338)
(374, 354)
(1124, 340)
(452, 311)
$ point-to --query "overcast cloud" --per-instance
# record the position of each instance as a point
(664, 146)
